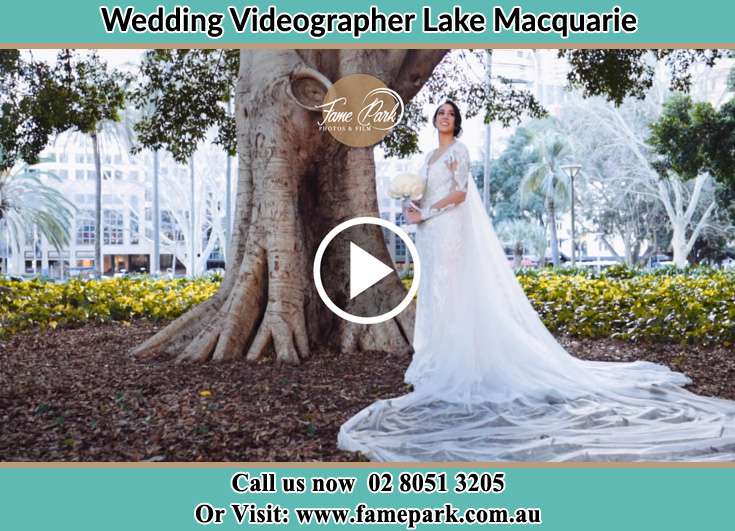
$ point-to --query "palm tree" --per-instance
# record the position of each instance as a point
(96, 96)
(26, 201)
(546, 176)
(108, 137)
(522, 236)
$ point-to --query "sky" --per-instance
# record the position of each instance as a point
(115, 58)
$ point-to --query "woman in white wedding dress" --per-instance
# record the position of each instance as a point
(490, 381)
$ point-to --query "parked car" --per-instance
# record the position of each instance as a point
(526, 261)
(215, 271)
(597, 263)
(82, 273)
(661, 260)
(13, 278)
(171, 274)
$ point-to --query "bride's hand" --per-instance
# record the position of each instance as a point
(413, 216)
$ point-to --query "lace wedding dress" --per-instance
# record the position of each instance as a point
(492, 384)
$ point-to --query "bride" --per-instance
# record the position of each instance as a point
(490, 381)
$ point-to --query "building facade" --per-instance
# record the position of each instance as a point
(127, 213)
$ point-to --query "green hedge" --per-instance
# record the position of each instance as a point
(691, 306)
(25, 305)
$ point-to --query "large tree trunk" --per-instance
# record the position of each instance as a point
(679, 244)
(295, 184)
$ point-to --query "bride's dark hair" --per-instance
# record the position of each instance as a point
(457, 116)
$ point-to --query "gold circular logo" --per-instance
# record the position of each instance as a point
(359, 110)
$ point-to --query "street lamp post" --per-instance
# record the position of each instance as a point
(572, 170)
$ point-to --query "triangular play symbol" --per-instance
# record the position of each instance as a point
(365, 270)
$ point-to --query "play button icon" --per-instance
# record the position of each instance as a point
(367, 287)
(365, 270)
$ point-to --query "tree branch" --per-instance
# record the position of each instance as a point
(698, 229)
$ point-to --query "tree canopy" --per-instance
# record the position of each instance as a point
(620, 73)
(31, 108)
(39, 100)
(184, 93)
(89, 91)
(692, 138)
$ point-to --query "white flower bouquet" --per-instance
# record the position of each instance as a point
(408, 187)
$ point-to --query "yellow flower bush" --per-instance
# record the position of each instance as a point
(696, 306)
(25, 305)
(679, 307)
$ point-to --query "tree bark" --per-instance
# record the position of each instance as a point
(518, 255)
(295, 183)
(678, 245)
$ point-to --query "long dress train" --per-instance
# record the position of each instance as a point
(491, 383)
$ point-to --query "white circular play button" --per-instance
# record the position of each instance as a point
(366, 270)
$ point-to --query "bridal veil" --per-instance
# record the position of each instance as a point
(491, 383)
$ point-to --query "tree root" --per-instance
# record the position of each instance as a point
(225, 335)
(286, 332)
(222, 328)
(177, 333)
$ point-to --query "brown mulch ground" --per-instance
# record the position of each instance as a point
(75, 395)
